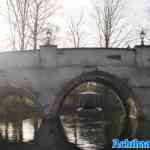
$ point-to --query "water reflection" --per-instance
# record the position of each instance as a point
(19, 132)
(91, 131)
(19, 117)
(75, 133)
(84, 132)
(64, 134)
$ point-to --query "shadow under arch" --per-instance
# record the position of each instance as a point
(123, 90)
(13, 91)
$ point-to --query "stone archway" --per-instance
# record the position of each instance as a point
(18, 105)
(13, 91)
(123, 90)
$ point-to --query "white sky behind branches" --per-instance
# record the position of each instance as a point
(136, 13)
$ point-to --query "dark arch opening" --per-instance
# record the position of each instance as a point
(123, 90)
(19, 112)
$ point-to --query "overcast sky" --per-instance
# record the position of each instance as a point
(136, 10)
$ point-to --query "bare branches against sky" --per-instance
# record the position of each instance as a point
(135, 13)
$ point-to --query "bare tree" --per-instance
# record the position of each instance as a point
(39, 20)
(110, 23)
(29, 20)
(18, 17)
(75, 31)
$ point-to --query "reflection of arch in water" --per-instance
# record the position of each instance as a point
(123, 90)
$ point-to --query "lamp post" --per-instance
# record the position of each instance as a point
(48, 33)
(142, 36)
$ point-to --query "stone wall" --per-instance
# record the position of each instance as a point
(47, 70)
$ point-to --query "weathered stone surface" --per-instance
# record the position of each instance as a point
(45, 72)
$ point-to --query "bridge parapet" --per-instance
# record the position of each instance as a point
(143, 56)
(51, 56)
(19, 59)
(96, 57)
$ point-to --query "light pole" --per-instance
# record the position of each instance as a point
(48, 33)
(142, 36)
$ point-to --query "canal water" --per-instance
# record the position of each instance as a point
(13, 133)
(85, 130)
(88, 129)
(86, 134)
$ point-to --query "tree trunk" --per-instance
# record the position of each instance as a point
(35, 28)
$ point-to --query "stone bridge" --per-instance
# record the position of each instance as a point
(50, 73)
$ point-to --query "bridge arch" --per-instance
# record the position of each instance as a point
(13, 91)
(123, 90)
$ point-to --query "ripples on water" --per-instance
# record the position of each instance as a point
(86, 134)
(92, 129)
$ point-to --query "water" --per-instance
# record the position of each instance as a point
(13, 132)
(86, 134)
(86, 131)
(73, 132)
(89, 129)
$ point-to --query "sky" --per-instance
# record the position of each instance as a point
(137, 8)
(136, 13)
